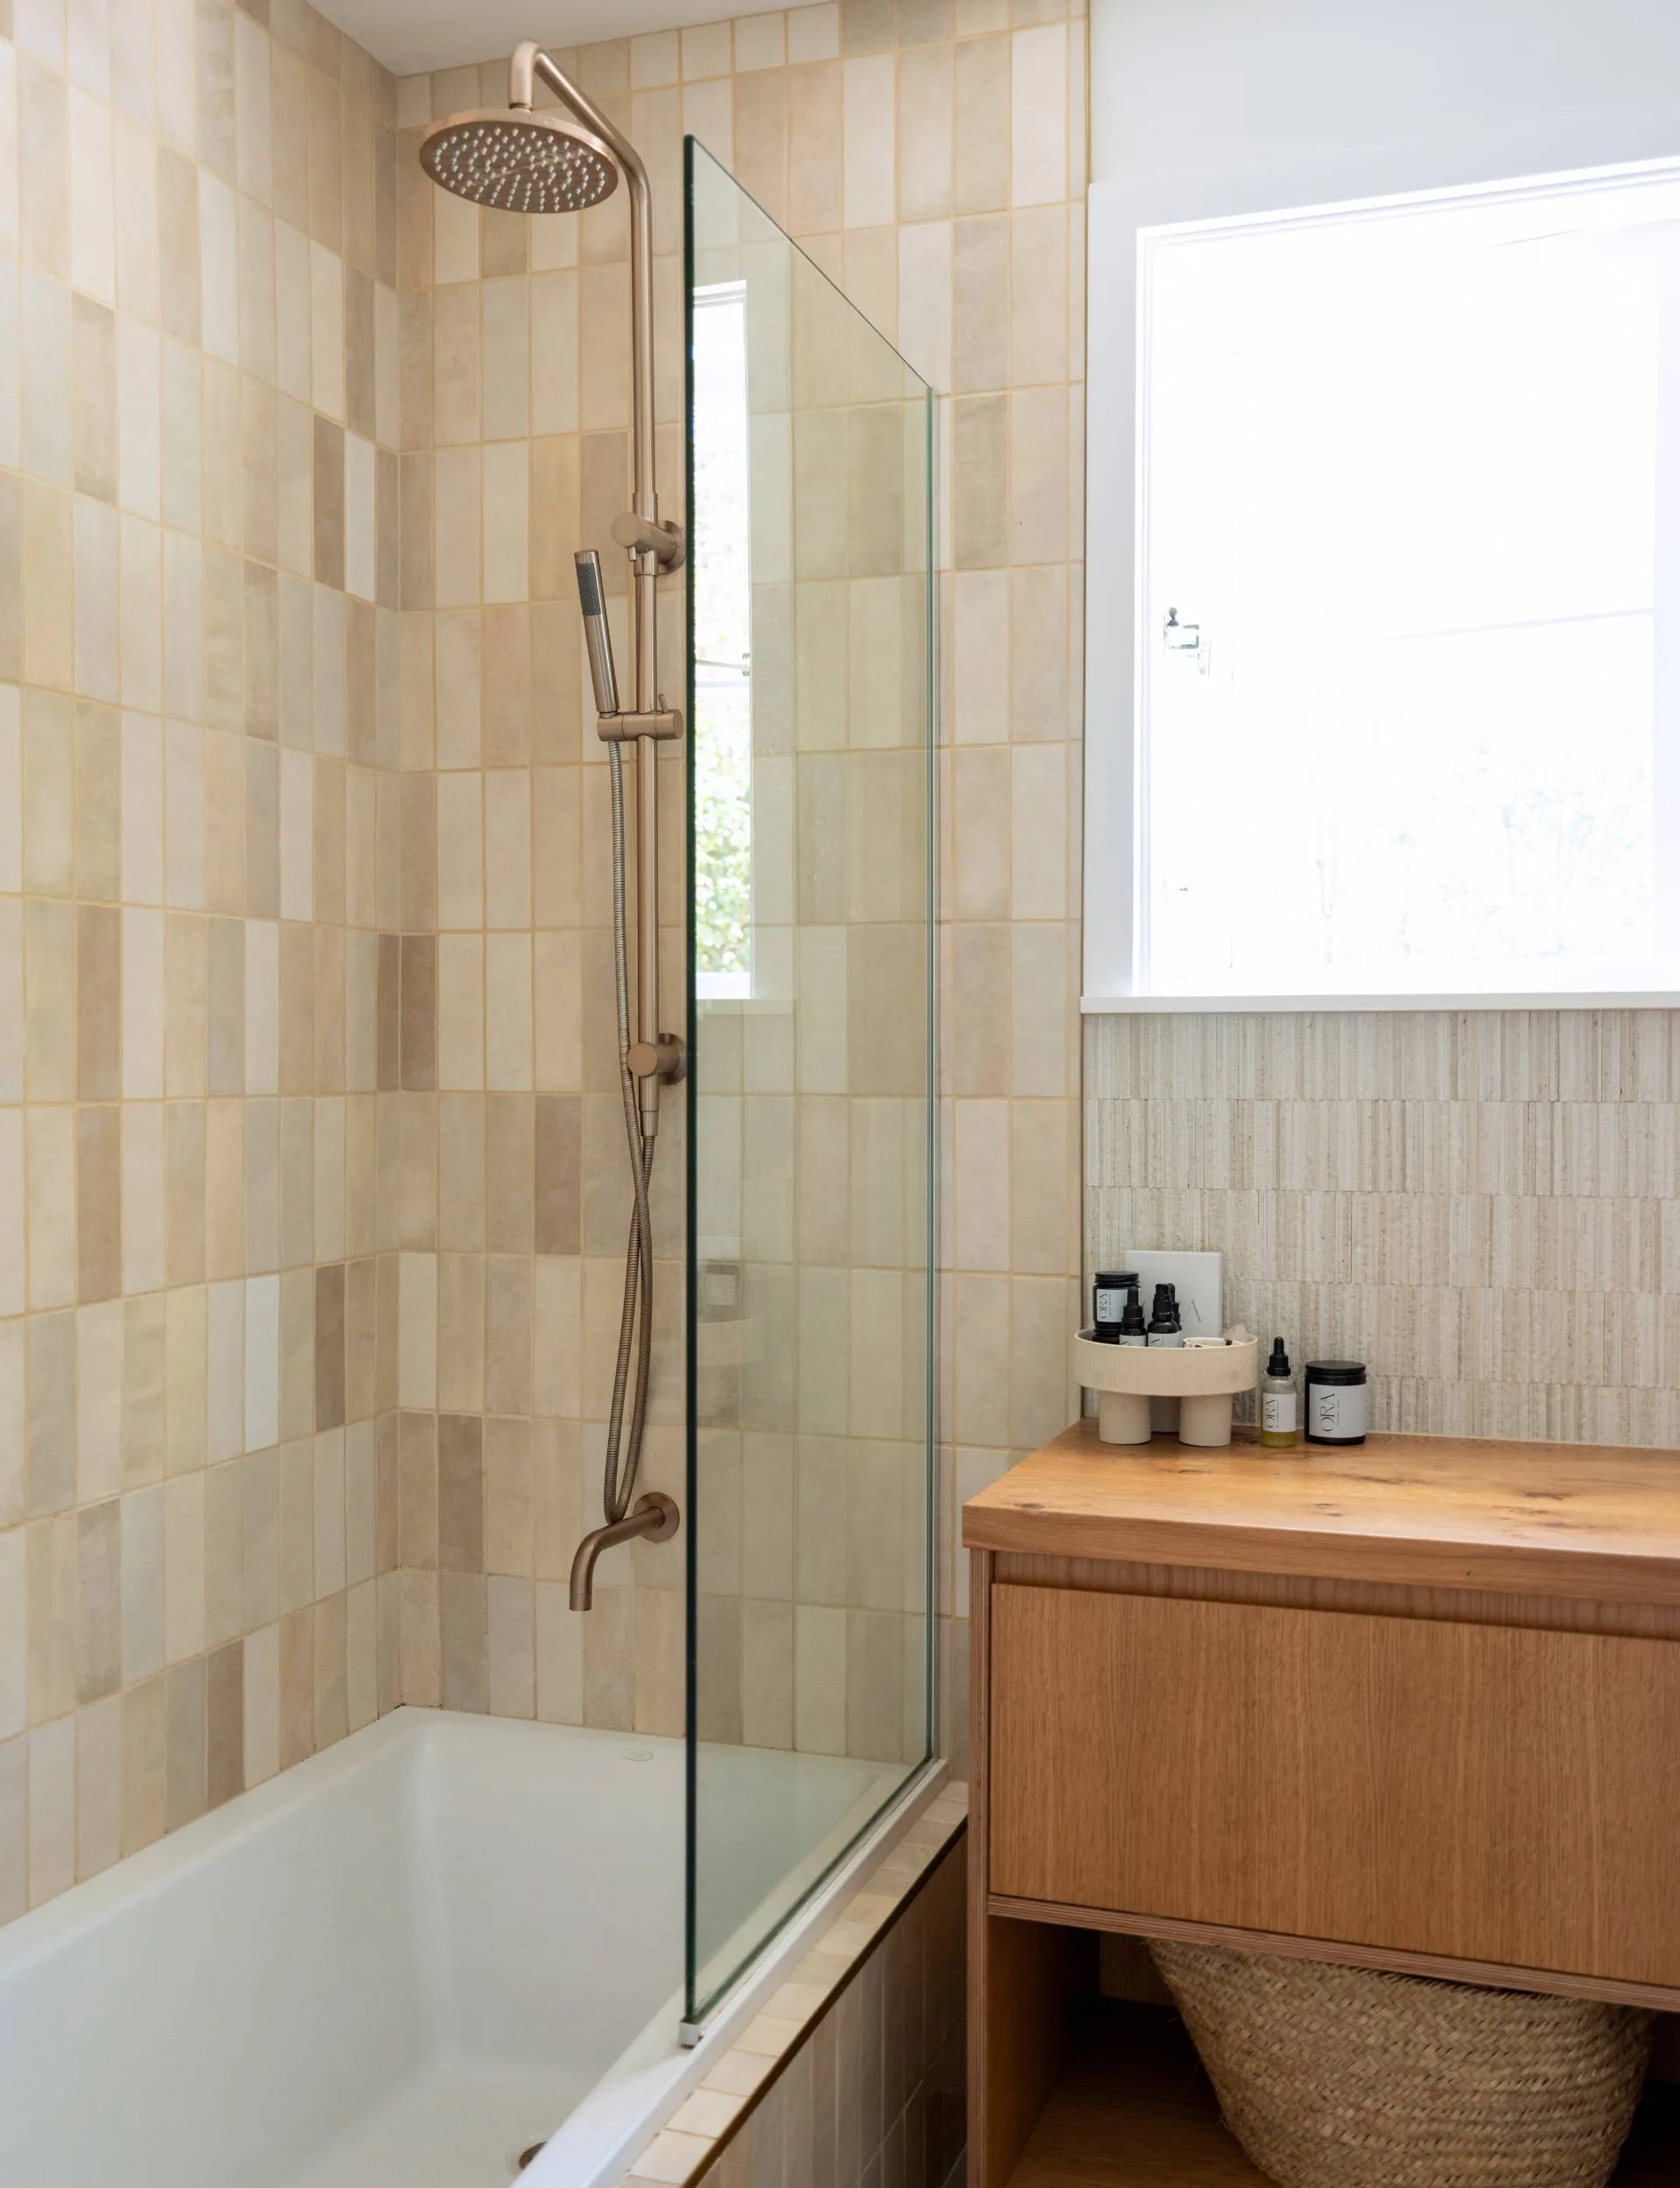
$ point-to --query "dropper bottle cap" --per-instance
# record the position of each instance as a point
(1278, 1363)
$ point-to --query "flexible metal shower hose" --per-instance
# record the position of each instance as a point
(624, 1438)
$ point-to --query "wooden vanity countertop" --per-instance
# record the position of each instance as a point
(1584, 1520)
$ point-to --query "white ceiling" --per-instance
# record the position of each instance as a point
(410, 36)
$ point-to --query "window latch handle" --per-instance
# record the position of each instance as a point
(1184, 638)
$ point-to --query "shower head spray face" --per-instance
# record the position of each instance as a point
(519, 160)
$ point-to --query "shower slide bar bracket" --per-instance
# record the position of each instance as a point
(657, 536)
(666, 1058)
(663, 724)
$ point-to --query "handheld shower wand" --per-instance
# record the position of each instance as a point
(556, 161)
(598, 634)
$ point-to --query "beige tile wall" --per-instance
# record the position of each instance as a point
(198, 389)
(511, 1182)
(311, 1191)
(1482, 1206)
(930, 157)
(992, 283)
(812, 1121)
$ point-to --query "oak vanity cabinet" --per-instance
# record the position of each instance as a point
(1414, 1705)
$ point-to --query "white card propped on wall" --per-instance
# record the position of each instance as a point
(1197, 1280)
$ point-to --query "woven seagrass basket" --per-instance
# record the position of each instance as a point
(1341, 2078)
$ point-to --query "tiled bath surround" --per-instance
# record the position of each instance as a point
(309, 1191)
(874, 2093)
(853, 2075)
(198, 389)
(1484, 1206)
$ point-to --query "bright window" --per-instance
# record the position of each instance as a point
(722, 647)
(1408, 599)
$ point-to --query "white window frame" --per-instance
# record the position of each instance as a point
(1377, 157)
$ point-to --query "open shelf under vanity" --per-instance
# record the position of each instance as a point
(1130, 2107)
(1366, 1706)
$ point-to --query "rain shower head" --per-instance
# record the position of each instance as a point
(519, 160)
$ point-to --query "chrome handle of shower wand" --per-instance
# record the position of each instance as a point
(654, 1057)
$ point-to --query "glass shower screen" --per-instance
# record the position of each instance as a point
(810, 1082)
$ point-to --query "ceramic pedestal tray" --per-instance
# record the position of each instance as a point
(1204, 1379)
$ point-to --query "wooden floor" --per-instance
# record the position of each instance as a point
(1134, 2109)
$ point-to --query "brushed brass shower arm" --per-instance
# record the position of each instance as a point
(529, 62)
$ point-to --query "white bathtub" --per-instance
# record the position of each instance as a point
(397, 1966)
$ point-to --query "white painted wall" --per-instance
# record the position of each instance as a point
(1207, 108)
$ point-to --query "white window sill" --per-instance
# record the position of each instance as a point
(1134, 1005)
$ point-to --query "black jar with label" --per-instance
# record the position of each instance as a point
(1108, 1304)
(1338, 1401)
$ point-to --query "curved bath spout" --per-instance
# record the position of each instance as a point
(655, 1516)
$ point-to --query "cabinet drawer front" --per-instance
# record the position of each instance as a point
(1486, 1792)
